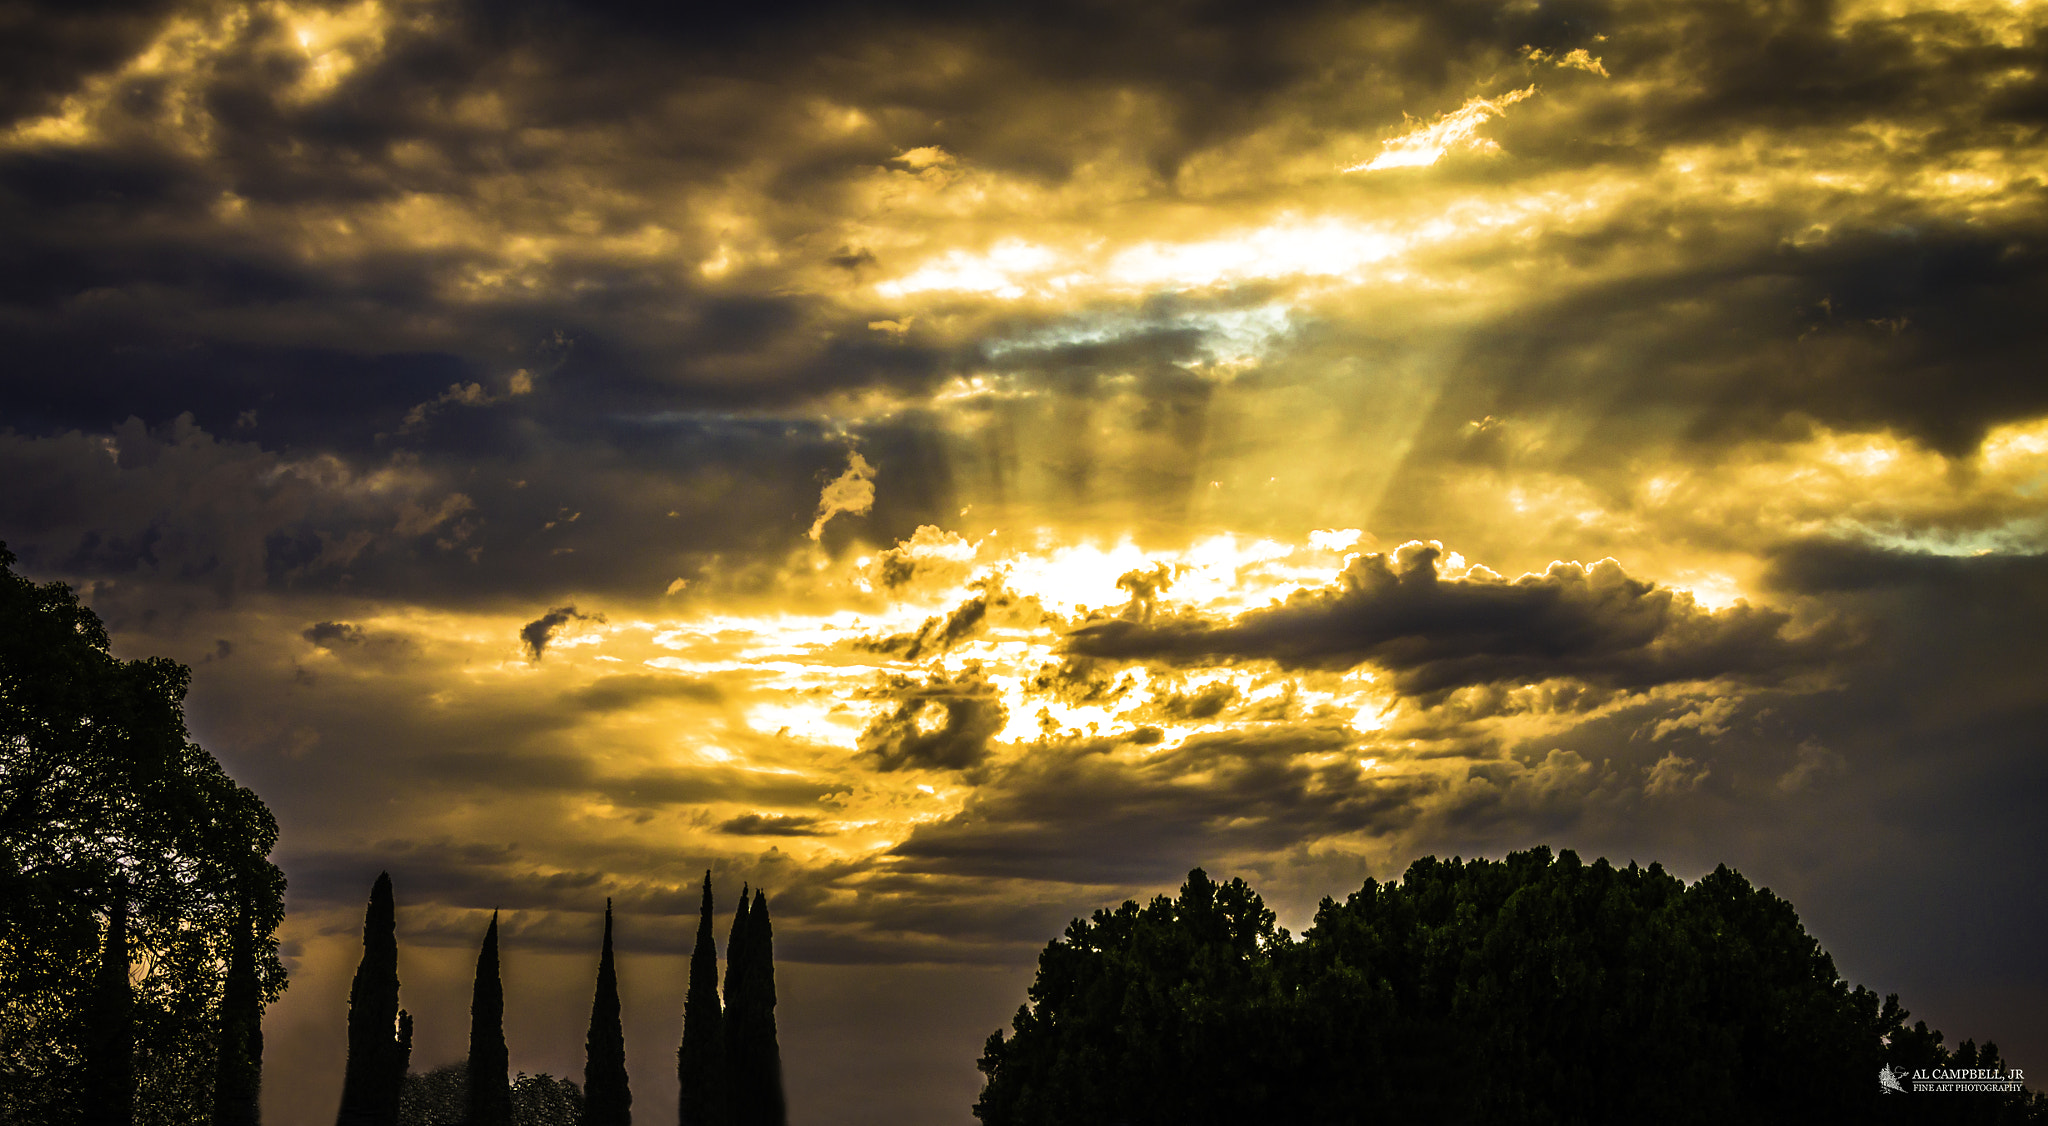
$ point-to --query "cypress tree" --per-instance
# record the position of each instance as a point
(376, 1061)
(735, 1021)
(607, 1101)
(110, 1025)
(490, 1067)
(238, 1072)
(758, 1097)
(700, 1061)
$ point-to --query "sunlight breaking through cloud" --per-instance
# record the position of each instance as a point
(1424, 145)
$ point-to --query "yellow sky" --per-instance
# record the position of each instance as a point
(957, 471)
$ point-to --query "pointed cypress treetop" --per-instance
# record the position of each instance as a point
(736, 951)
(736, 1007)
(607, 1101)
(757, 1069)
(376, 1059)
(700, 1061)
(490, 1067)
(761, 953)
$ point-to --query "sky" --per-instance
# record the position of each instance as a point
(957, 470)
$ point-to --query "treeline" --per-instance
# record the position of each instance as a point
(1531, 990)
(138, 907)
(729, 1065)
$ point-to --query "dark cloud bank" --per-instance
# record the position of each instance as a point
(1595, 625)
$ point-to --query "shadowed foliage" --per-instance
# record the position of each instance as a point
(441, 1098)
(1529, 990)
(127, 858)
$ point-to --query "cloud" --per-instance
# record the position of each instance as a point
(1424, 145)
(1082, 811)
(770, 825)
(943, 723)
(852, 492)
(1438, 633)
(537, 633)
(339, 346)
(328, 635)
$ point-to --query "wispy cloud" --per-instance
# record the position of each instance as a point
(1424, 145)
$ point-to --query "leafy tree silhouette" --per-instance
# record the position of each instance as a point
(1531, 990)
(100, 784)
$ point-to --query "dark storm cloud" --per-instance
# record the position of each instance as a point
(1925, 329)
(1435, 634)
(1955, 644)
(1083, 681)
(624, 512)
(995, 605)
(50, 48)
(568, 772)
(123, 277)
(1832, 566)
(937, 634)
(180, 507)
(327, 635)
(757, 825)
(1074, 811)
(942, 723)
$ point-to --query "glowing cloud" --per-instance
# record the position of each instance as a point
(852, 492)
(1425, 145)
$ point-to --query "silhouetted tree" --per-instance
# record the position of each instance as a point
(439, 1097)
(757, 1098)
(607, 1101)
(1529, 990)
(490, 1068)
(110, 1043)
(543, 1100)
(376, 1059)
(736, 1012)
(701, 1061)
(238, 1076)
(99, 779)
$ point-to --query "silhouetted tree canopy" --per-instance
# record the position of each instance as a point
(440, 1098)
(1529, 990)
(100, 784)
(543, 1100)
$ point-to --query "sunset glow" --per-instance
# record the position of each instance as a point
(958, 470)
